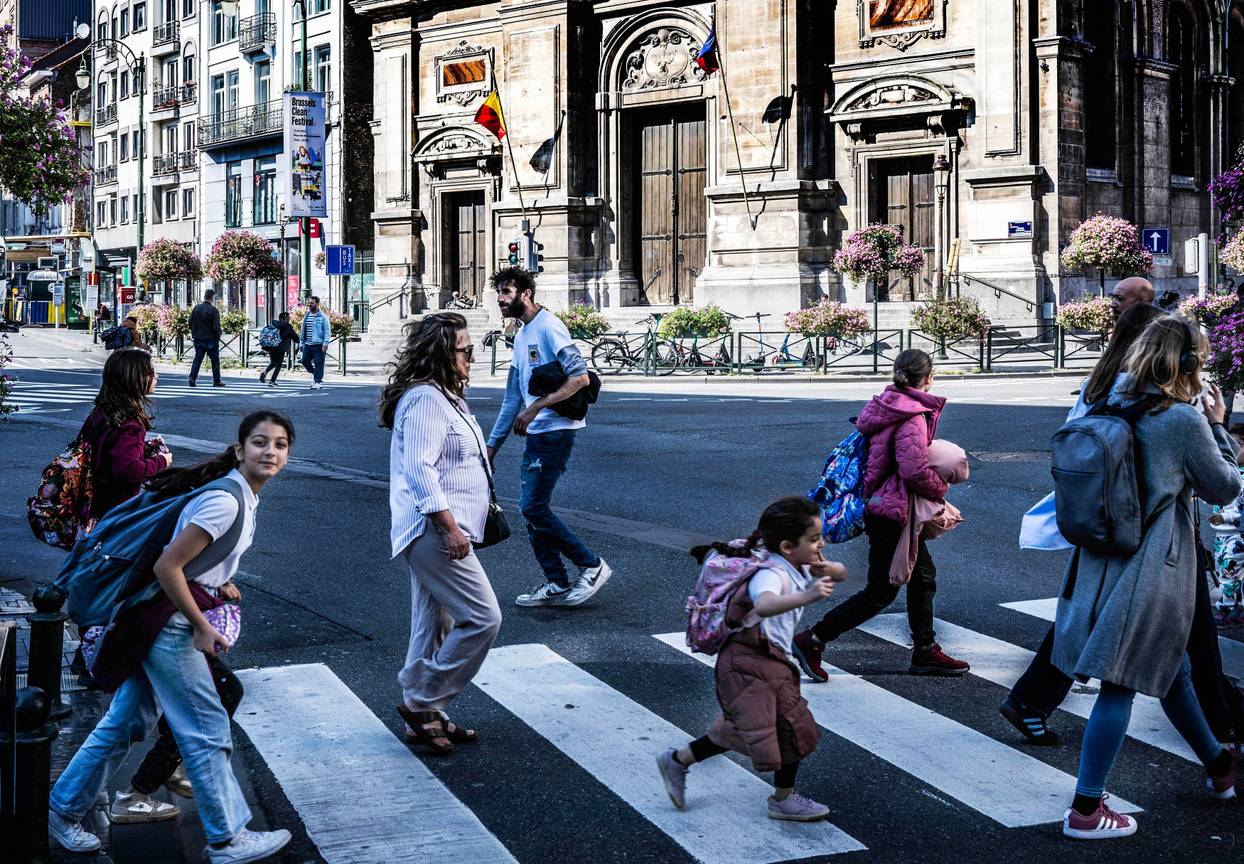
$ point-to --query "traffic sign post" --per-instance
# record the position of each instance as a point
(1157, 241)
(339, 261)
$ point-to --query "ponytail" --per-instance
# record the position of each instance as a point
(178, 481)
(785, 520)
(733, 549)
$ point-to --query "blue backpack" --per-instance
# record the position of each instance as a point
(840, 491)
(111, 570)
(117, 337)
(270, 336)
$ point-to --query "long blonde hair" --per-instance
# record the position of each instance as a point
(1155, 359)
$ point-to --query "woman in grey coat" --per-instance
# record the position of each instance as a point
(1125, 620)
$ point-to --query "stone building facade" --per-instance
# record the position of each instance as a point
(987, 130)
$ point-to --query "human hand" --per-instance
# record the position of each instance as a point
(209, 640)
(456, 544)
(229, 592)
(833, 569)
(492, 456)
(1215, 406)
(523, 420)
(168, 458)
(820, 589)
(1216, 519)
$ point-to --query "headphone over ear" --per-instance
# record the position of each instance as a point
(1189, 360)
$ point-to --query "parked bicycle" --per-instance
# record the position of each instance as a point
(614, 354)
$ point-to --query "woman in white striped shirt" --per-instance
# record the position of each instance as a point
(438, 499)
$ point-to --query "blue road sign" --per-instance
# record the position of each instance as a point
(1157, 240)
(339, 260)
(1019, 229)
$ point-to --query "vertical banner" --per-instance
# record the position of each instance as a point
(304, 154)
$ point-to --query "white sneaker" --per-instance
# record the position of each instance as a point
(544, 594)
(591, 580)
(71, 836)
(249, 846)
(316, 385)
(179, 784)
(134, 807)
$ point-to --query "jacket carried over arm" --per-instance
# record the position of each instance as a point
(205, 322)
(900, 423)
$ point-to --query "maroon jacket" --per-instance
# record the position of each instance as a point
(118, 464)
(900, 422)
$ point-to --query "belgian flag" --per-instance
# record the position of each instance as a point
(490, 117)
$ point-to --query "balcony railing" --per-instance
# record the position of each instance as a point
(107, 174)
(107, 114)
(238, 124)
(257, 32)
(165, 97)
(166, 33)
(164, 164)
(189, 92)
(188, 160)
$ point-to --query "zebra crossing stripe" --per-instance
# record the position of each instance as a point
(1008, 786)
(362, 795)
(1232, 651)
(1002, 663)
(617, 741)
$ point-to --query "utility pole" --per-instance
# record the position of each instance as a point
(305, 239)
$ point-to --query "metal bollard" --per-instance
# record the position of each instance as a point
(30, 775)
(47, 636)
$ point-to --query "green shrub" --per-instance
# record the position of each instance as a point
(583, 321)
(234, 321)
(952, 318)
(685, 322)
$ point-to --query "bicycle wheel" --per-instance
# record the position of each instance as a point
(609, 357)
(664, 357)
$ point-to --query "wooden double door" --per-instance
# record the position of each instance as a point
(902, 194)
(466, 244)
(671, 216)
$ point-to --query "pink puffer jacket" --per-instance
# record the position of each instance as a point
(900, 422)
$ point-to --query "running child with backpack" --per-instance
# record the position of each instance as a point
(156, 573)
(749, 599)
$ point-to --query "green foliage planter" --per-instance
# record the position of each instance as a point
(686, 323)
(234, 321)
(951, 319)
(584, 322)
(1087, 315)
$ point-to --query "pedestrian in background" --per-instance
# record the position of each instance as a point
(315, 339)
(439, 499)
(205, 332)
(763, 716)
(136, 337)
(544, 339)
(900, 424)
(276, 356)
(1126, 619)
(1130, 292)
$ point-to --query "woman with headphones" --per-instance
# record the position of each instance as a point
(1126, 619)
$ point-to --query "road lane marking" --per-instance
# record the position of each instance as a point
(1008, 786)
(1002, 663)
(616, 740)
(361, 793)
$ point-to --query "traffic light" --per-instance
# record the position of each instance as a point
(531, 254)
(514, 248)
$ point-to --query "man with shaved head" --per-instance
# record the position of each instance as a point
(1128, 293)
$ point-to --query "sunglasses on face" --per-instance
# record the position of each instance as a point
(469, 351)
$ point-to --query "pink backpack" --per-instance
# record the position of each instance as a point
(720, 577)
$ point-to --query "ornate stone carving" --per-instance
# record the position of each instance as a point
(463, 74)
(899, 94)
(663, 58)
(454, 144)
(899, 23)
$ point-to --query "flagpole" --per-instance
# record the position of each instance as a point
(738, 154)
(518, 183)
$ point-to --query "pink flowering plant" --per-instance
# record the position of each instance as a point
(234, 321)
(173, 321)
(40, 160)
(1227, 190)
(1226, 351)
(237, 256)
(829, 318)
(164, 260)
(875, 250)
(6, 378)
(147, 316)
(1088, 313)
(1208, 310)
(339, 325)
(321, 260)
(952, 318)
(583, 321)
(1110, 244)
(1231, 251)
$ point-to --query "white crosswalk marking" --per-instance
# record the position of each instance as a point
(617, 740)
(1002, 663)
(1045, 609)
(362, 795)
(34, 397)
(1008, 786)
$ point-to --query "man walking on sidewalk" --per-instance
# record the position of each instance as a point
(315, 337)
(205, 331)
(543, 339)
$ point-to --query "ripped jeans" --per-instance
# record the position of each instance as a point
(544, 461)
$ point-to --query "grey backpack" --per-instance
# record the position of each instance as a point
(1097, 491)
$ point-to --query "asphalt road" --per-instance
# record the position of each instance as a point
(907, 768)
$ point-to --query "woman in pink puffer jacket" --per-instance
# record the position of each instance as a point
(900, 422)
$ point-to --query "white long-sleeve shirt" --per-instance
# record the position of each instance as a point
(435, 463)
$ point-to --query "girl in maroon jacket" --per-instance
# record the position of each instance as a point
(116, 431)
(900, 422)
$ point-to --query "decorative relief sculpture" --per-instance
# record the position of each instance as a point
(664, 58)
(463, 74)
(899, 94)
(899, 23)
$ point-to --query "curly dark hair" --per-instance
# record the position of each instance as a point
(428, 357)
(521, 279)
(128, 373)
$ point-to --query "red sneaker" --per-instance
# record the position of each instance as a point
(932, 660)
(1104, 824)
(809, 652)
(1223, 788)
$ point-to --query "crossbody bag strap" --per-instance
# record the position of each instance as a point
(218, 550)
(492, 492)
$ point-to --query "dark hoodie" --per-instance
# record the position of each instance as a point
(900, 422)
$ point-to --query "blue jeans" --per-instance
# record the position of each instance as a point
(544, 461)
(210, 347)
(313, 360)
(1107, 725)
(174, 676)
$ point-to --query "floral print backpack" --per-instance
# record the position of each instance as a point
(61, 507)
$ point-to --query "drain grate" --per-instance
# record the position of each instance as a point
(1011, 456)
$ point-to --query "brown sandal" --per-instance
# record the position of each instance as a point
(459, 735)
(427, 728)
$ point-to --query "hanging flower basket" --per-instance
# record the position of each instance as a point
(1109, 244)
(162, 260)
(830, 319)
(874, 251)
(237, 256)
(1226, 351)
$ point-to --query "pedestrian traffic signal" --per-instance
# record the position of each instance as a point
(514, 250)
(532, 255)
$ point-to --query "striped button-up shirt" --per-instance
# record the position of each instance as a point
(436, 463)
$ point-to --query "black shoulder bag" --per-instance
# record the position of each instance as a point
(496, 528)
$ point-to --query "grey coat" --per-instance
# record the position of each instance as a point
(1126, 620)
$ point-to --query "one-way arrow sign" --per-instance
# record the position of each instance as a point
(1157, 240)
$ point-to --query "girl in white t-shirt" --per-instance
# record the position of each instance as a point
(772, 724)
(173, 676)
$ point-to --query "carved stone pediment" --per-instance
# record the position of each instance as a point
(456, 146)
(662, 58)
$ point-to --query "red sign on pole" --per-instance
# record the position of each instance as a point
(314, 230)
(127, 295)
(291, 291)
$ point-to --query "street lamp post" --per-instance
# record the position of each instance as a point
(941, 181)
(83, 79)
(230, 8)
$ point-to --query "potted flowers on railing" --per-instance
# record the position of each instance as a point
(873, 252)
(951, 319)
(234, 321)
(829, 320)
(1110, 244)
(584, 321)
(1207, 310)
(1087, 315)
(687, 323)
(339, 325)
